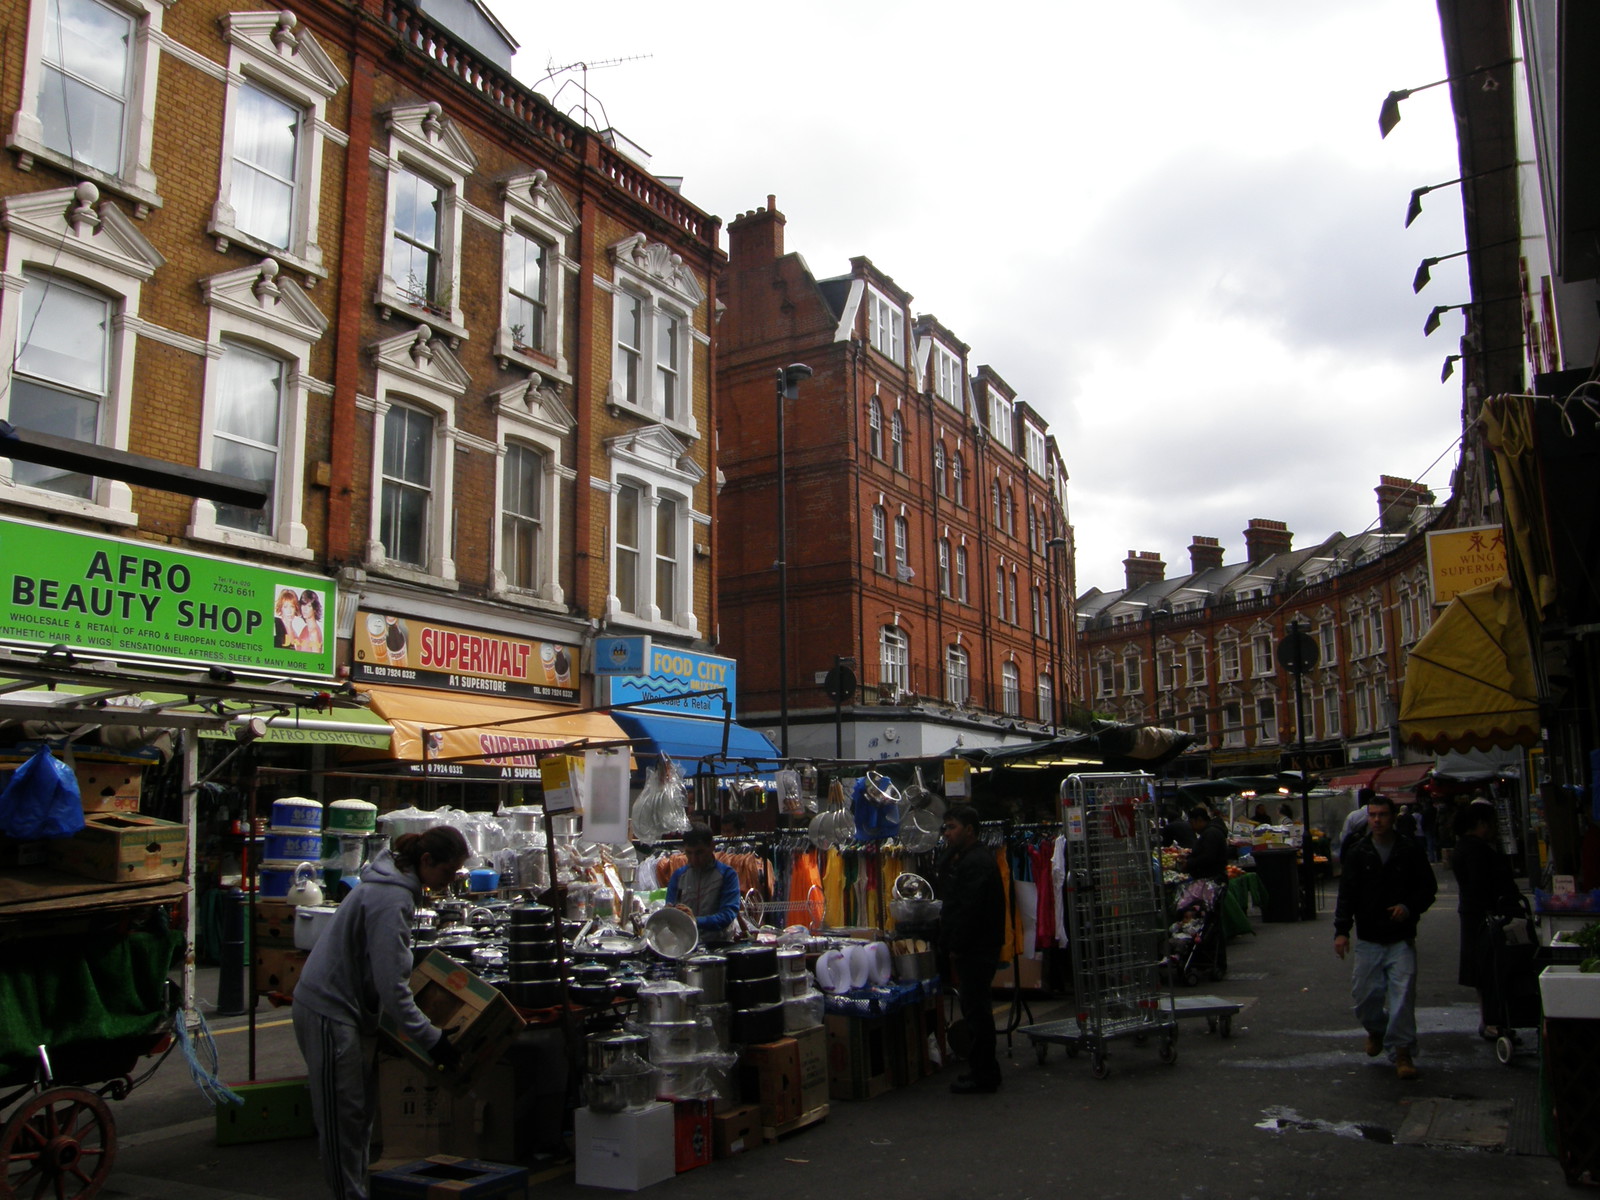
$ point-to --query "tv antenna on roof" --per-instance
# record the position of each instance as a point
(582, 83)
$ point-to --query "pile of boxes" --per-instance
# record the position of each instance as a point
(784, 1084)
(116, 844)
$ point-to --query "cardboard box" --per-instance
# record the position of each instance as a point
(123, 848)
(1566, 992)
(22, 854)
(1028, 974)
(906, 1045)
(812, 1045)
(770, 1075)
(110, 787)
(421, 1114)
(273, 925)
(445, 1175)
(626, 1151)
(475, 1016)
(858, 1062)
(273, 1109)
(735, 1130)
(278, 970)
(691, 1134)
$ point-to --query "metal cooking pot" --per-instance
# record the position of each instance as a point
(668, 1001)
(424, 918)
(671, 933)
(758, 1026)
(616, 1093)
(752, 962)
(534, 972)
(708, 972)
(791, 961)
(607, 1051)
(752, 993)
(671, 1041)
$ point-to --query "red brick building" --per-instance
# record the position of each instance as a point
(927, 535)
(336, 249)
(1197, 651)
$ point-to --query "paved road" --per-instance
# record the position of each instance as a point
(1288, 1106)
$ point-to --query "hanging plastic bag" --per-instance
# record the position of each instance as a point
(42, 800)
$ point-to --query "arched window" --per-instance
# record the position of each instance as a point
(941, 484)
(894, 659)
(875, 427)
(957, 676)
(1010, 689)
(958, 481)
(897, 439)
(880, 539)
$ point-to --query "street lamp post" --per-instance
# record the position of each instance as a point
(1051, 548)
(788, 389)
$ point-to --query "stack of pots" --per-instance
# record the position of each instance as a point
(755, 994)
(669, 1010)
(533, 957)
(350, 824)
(709, 973)
(293, 837)
(802, 1003)
(621, 1079)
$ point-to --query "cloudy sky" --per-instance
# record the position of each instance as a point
(1171, 225)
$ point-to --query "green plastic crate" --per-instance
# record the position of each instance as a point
(273, 1110)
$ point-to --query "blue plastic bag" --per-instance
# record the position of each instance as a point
(42, 800)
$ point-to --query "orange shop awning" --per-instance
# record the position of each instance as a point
(1383, 779)
(1469, 681)
(473, 729)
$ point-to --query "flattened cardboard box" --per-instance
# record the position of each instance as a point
(123, 848)
(110, 787)
(473, 1014)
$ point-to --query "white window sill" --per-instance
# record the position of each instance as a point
(529, 358)
(620, 405)
(144, 198)
(690, 627)
(508, 595)
(392, 304)
(398, 570)
(308, 267)
(57, 504)
(238, 539)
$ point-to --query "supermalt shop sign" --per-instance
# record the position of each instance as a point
(141, 601)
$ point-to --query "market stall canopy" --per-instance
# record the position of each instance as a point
(1469, 682)
(486, 729)
(696, 744)
(1382, 779)
(1120, 747)
(1476, 766)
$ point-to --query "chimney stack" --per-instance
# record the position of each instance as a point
(1397, 501)
(1142, 567)
(1265, 538)
(1204, 554)
(755, 238)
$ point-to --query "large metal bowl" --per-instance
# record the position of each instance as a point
(671, 933)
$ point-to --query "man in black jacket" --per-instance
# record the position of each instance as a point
(1385, 885)
(971, 931)
(1209, 858)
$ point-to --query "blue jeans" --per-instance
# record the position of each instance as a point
(1385, 991)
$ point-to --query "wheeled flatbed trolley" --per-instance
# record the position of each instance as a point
(1072, 1035)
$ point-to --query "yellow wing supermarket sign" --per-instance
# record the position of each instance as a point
(1462, 559)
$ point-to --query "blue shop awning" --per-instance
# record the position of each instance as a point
(696, 745)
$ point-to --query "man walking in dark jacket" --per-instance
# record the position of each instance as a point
(971, 930)
(1385, 885)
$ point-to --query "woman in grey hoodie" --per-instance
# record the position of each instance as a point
(359, 968)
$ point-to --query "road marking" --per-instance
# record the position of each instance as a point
(259, 1025)
(167, 1132)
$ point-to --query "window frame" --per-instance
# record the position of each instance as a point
(425, 143)
(258, 308)
(944, 567)
(902, 549)
(941, 479)
(534, 208)
(961, 574)
(1266, 720)
(947, 375)
(1002, 417)
(530, 413)
(661, 464)
(887, 337)
(957, 676)
(302, 76)
(958, 479)
(897, 441)
(71, 234)
(894, 658)
(880, 539)
(136, 178)
(875, 428)
(1010, 689)
(668, 290)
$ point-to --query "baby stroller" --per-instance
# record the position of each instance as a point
(1197, 946)
(1513, 960)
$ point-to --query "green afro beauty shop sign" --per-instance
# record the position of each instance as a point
(142, 601)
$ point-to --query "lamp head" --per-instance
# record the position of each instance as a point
(1414, 209)
(1421, 278)
(789, 379)
(1432, 322)
(1389, 114)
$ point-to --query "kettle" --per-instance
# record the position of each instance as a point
(304, 889)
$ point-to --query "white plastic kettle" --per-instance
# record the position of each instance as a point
(304, 889)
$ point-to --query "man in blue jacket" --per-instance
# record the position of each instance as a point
(1385, 885)
(704, 888)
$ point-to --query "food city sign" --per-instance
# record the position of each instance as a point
(387, 648)
(678, 682)
(140, 601)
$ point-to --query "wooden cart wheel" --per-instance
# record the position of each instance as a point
(59, 1145)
